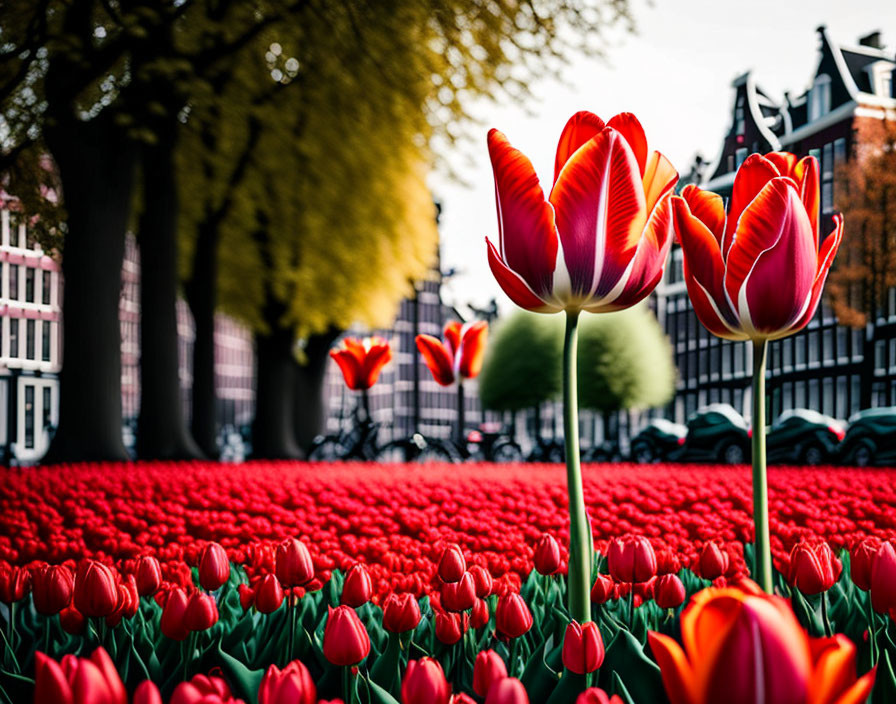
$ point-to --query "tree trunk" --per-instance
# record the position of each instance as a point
(274, 429)
(310, 404)
(201, 297)
(96, 166)
(161, 430)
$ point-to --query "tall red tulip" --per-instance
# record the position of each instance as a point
(361, 361)
(75, 680)
(96, 589)
(51, 588)
(488, 669)
(424, 683)
(15, 583)
(482, 578)
(512, 616)
(293, 563)
(148, 575)
(401, 613)
(480, 614)
(547, 555)
(214, 567)
(345, 639)
(357, 588)
(508, 690)
(450, 627)
(883, 579)
(452, 564)
(861, 558)
(712, 562)
(583, 648)
(460, 595)
(743, 646)
(268, 595)
(757, 274)
(201, 612)
(813, 567)
(291, 685)
(631, 559)
(459, 356)
(668, 591)
(172, 623)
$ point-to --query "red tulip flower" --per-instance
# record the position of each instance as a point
(488, 669)
(547, 555)
(75, 680)
(583, 648)
(291, 685)
(603, 590)
(712, 562)
(424, 683)
(631, 559)
(201, 612)
(668, 591)
(479, 615)
(51, 588)
(757, 274)
(214, 567)
(96, 589)
(268, 594)
(482, 578)
(450, 627)
(148, 575)
(599, 242)
(361, 361)
(15, 583)
(459, 356)
(147, 693)
(401, 613)
(345, 639)
(861, 558)
(594, 695)
(452, 564)
(512, 616)
(883, 579)
(203, 690)
(357, 588)
(460, 595)
(508, 690)
(172, 623)
(293, 563)
(813, 567)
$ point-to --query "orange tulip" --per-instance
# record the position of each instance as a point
(599, 241)
(759, 273)
(742, 646)
(361, 361)
(459, 356)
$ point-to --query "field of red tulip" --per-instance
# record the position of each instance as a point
(289, 582)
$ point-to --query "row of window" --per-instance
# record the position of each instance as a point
(30, 275)
(31, 329)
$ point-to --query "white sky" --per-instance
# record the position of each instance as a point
(675, 74)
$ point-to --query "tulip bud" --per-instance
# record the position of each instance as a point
(424, 683)
(72, 621)
(293, 565)
(603, 590)
(268, 594)
(247, 596)
(357, 588)
(861, 558)
(668, 591)
(148, 575)
(450, 627)
(480, 615)
(813, 567)
(52, 587)
(96, 589)
(489, 668)
(512, 616)
(15, 583)
(593, 695)
(883, 579)
(172, 624)
(460, 595)
(631, 559)
(147, 693)
(291, 685)
(345, 639)
(507, 691)
(214, 567)
(712, 561)
(583, 648)
(201, 612)
(452, 564)
(482, 578)
(401, 613)
(547, 555)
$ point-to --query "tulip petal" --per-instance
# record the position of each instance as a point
(451, 333)
(630, 127)
(708, 208)
(378, 356)
(50, 683)
(472, 350)
(580, 128)
(659, 179)
(704, 273)
(754, 173)
(805, 173)
(860, 691)
(101, 659)
(601, 213)
(515, 286)
(351, 369)
(772, 263)
(784, 162)
(825, 258)
(674, 667)
(147, 693)
(528, 233)
(437, 358)
(834, 668)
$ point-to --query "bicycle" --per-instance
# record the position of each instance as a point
(357, 443)
(546, 451)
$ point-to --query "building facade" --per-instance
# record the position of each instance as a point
(820, 367)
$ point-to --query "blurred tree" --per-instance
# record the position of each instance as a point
(864, 271)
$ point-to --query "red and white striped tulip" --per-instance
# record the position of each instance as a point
(599, 241)
(459, 356)
(758, 273)
(361, 361)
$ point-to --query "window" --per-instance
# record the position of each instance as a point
(739, 124)
(29, 416)
(740, 156)
(13, 338)
(45, 340)
(29, 284)
(839, 151)
(884, 84)
(46, 281)
(48, 406)
(14, 282)
(30, 332)
(827, 178)
(820, 97)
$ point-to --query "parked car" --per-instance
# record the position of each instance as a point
(870, 438)
(657, 440)
(716, 433)
(801, 436)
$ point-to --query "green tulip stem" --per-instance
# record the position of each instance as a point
(828, 632)
(580, 542)
(47, 635)
(872, 633)
(291, 625)
(762, 558)
(7, 645)
(631, 609)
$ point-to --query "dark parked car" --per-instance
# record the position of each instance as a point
(801, 436)
(870, 438)
(716, 433)
(657, 440)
